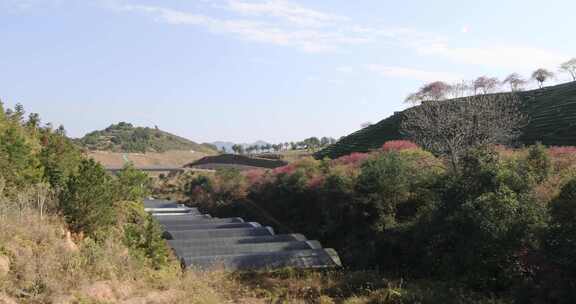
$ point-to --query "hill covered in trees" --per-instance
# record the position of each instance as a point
(551, 112)
(125, 137)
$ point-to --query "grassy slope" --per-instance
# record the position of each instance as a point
(552, 112)
(124, 137)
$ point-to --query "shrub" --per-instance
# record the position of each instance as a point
(288, 169)
(141, 233)
(231, 185)
(199, 189)
(481, 226)
(382, 186)
(254, 177)
(557, 274)
(556, 151)
(561, 240)
(398, 145)
(538, 163)
(354, 159)
(210, 190)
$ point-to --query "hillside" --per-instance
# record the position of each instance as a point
(552, 112)
(124, 137)
(241, 162)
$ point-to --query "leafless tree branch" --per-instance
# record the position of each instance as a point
(452, 127)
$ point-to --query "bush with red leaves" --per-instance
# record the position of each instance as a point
(354, 159)
(399, 145)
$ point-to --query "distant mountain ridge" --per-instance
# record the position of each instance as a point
(125, 137)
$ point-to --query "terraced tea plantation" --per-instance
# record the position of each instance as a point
(552, 113)
(203, 242)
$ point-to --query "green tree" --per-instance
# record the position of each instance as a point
(33, 121)
(60, 158)
(18, 113)
(132, 184)
(87, 201)
(19, 163)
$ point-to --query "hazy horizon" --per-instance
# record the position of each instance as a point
(271, 70)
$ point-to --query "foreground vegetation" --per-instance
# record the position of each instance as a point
(70, 233)
(41, 263)
(501, 225)
(45, 266)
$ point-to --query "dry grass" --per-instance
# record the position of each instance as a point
(45, 267)
(151, 159)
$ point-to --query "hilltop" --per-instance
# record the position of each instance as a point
(125, 137)
(551, 110)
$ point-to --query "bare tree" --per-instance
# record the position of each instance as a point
(569, 67)
(485, 84)
(459, 89)
(42, 192)
(452, 127)
(541, 75)
(23, 201)
(515, 81)
(432, 91)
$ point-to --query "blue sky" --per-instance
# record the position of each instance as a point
(276, 70)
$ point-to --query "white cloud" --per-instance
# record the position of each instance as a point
(308, 40)
(410, 73)
(510, 57)
(284, 23)
(287, 11)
